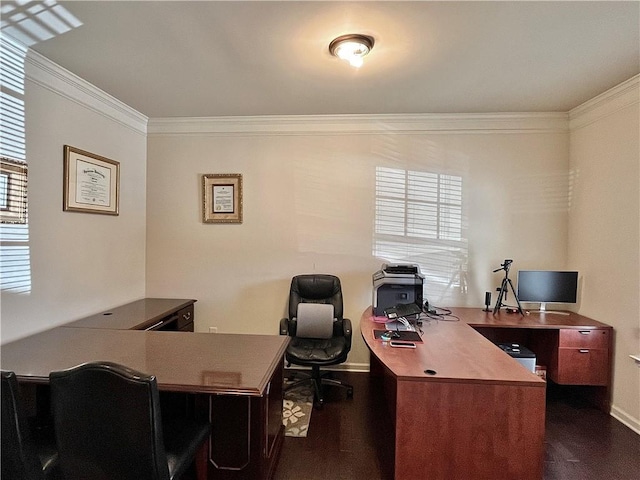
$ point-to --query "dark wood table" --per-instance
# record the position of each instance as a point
(144, 314)
(195, 362)
(235, 380)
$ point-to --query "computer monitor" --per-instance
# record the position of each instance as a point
(545, 286)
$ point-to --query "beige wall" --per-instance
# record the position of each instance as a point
(604, 235)
(80, 263)
(309, 206)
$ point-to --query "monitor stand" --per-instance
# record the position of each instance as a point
(543, 309)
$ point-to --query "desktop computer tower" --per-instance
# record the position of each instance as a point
(394, 284)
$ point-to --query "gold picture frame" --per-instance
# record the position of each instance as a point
(222, 198)
(91, 183)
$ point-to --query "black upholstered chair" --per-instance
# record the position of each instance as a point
(109, 426)
(27, 454)
(320, 336)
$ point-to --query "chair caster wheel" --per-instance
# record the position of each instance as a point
(350, 393)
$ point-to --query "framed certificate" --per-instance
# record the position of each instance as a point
(222, 198)
(91, 183)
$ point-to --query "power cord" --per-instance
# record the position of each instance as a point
(439, 313)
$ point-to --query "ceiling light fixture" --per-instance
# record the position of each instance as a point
(352, 48)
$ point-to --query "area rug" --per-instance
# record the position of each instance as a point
(296, 411)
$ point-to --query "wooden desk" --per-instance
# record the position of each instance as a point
(481, 415)
(576, 350)
(236, 381)
(144, 314)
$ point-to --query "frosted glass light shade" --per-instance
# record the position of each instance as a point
(351, 48)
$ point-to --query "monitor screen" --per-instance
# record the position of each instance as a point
(547, 286)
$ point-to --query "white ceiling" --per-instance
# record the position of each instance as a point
(220, 58)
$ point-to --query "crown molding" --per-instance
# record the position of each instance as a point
(47, 74)
(607, 103)
(360, 124)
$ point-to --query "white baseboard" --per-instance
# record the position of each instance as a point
(353, 367)
(628, 420)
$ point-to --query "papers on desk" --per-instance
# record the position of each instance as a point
(399, 326)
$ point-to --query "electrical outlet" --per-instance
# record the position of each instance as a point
(213, 329)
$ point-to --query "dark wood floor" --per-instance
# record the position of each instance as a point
(352, 439)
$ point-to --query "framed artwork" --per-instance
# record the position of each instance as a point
(222, 198)
(13, 191)
(91, 183)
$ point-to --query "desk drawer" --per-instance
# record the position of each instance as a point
(581, 366)
(181, 321)
(185, 319)
(595, 338)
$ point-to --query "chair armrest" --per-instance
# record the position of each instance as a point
(346, 330)
(284, 326)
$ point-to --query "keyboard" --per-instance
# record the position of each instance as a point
(403, 310)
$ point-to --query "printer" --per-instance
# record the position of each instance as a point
(396, 283)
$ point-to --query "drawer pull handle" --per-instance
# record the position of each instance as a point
(584, 350)
(154, 326)
(186, 316)
(585, 332)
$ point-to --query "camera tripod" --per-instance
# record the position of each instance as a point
(506, 283)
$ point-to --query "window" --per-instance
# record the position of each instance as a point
(15, 264)
(13, 191)
(23, 24)
(419, 219)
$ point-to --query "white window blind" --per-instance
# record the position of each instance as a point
(12, 132)
(15, 263)
(419, 219)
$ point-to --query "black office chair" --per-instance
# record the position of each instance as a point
(27, 454)
(320, 335)
(108, 426)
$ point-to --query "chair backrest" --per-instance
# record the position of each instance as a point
(316, 288)
(19, 458)
(107, 423)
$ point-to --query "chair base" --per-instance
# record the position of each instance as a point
(318, 380)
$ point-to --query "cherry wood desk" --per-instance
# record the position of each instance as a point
(480, 415)
(235, 380)
(576, 350)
